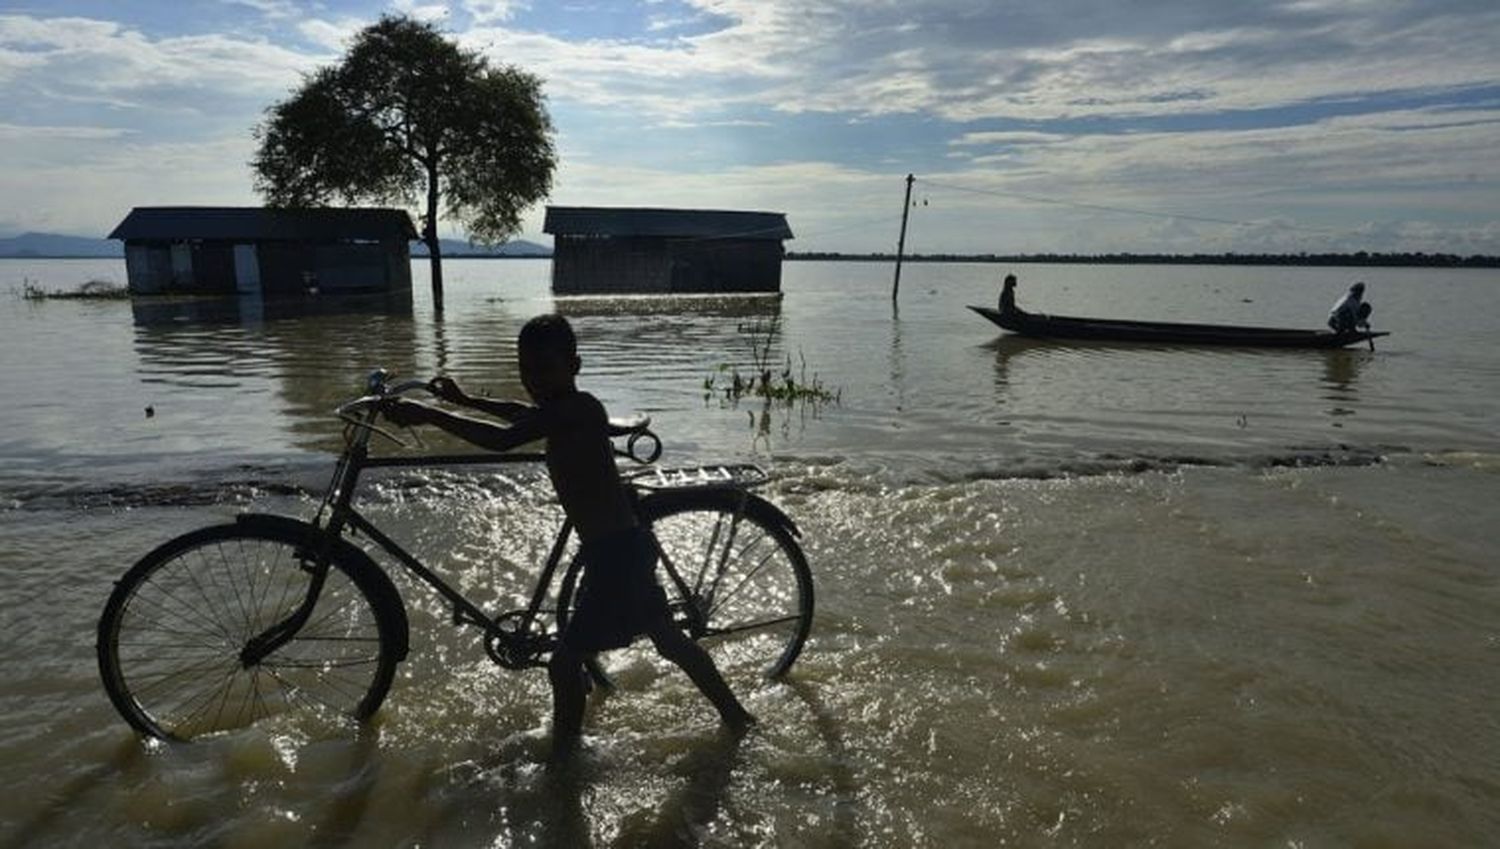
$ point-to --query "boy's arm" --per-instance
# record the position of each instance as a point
(511, 411)
(485, 435)
(448, 389)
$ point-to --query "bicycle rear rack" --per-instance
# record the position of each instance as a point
(734, 476)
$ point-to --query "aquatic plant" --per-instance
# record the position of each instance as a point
(764, 380)
(92, 290)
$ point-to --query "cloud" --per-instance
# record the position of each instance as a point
(692, 125)
(420, 11)
(1214, 110)
(273, 9)
(89, 192)
(1007, 138)
(485, 12)
(85, 59)
(331, 35)
(20, 132)
(1028, 62)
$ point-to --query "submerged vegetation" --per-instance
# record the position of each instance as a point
(93, 290)
(764, 380)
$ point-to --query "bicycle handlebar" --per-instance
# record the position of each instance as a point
(380, 390)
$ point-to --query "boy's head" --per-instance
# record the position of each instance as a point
(548, 352)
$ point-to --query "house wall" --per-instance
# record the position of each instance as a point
(213, 268)
(587, 265)
(286, 268)
(350, 268)
(148, 267)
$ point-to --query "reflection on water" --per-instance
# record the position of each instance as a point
(929, 381)
(1341, 370)
(296, 357)
(306, 355)
(254, 311)
(1144, 384)
(718, 306)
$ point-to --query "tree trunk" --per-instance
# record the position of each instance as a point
(430, 236)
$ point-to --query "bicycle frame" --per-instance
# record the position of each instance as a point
(514, 649)
(519, 647)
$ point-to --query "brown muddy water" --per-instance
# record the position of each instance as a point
(1068, 595)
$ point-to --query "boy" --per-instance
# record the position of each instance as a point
(618, 597)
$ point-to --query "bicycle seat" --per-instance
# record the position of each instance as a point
(628, 426)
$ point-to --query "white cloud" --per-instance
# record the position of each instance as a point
(332, 35)
(273, 9)
(1008, 80)
(1007, 138)
(486, 12)
(94, 187)
(83, 59)
(696, 125)
(20, 132)
(1030, 62)
(420, 11)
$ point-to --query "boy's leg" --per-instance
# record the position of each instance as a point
(566, 672)
(690, 657)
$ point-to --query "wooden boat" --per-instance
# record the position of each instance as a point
(1069, 327)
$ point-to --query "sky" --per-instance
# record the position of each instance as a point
(1079, 126)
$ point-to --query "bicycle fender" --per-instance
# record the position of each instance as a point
(378, 582)
(753, 504)
(776, 513)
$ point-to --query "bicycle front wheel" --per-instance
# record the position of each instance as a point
(735, 577)
(172, 633)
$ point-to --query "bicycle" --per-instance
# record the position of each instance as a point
(223, 626)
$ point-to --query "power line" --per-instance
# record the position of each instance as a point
(764, 231)
(1099, 207)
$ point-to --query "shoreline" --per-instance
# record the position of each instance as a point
(1354, 260)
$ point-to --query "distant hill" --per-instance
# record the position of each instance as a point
(52, 245)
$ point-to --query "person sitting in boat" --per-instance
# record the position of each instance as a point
(1351, 312)
(1008, 297)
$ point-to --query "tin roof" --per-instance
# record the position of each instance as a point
(262, 224)
(682, 223)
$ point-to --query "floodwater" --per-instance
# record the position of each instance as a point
(1068, 594)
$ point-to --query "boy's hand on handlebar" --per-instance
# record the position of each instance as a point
(447, 389)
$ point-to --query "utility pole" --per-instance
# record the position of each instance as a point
(901, 243)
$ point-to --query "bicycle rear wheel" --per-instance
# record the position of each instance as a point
(172, 632)
(736, 580)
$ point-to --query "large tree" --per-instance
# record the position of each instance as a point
(408, 116)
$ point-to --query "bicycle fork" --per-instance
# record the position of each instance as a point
(340, 491)
(260, 646)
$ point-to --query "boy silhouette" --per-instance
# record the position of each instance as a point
(618, 597)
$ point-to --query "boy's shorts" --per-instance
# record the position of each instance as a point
(618, 597)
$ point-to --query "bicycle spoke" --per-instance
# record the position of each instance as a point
(708, 553)
(172, 635)
(732, 573)
(724, 599)
(320, 664)
(754, 626)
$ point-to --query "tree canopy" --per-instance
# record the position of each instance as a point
(409, 118)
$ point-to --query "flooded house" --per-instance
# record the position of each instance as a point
(268, 252)
(634, 250)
